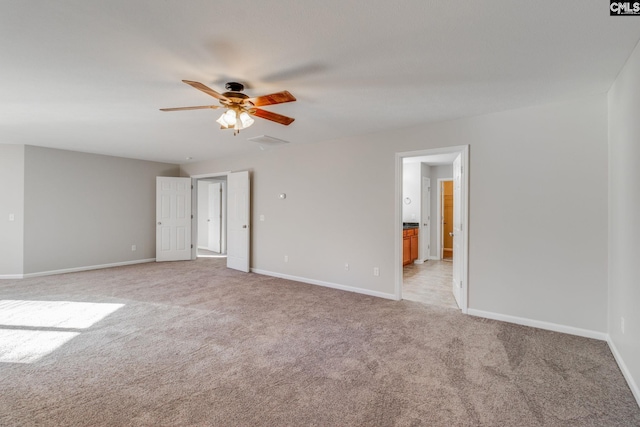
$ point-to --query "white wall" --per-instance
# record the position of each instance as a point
(624, 227)
(83, 210)
(11, 203)
(538, 215)
(411, 182)
(336, 211)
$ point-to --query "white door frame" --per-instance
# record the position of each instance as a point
(458, 230)
(439, 207)
(194, 206)
(425, 218)
(201, 221)
(214, 199)
(397, 226)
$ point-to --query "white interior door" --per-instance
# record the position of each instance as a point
(425, 215)
(173, 219)
(238, 221)
(214, 217)
(457, 230)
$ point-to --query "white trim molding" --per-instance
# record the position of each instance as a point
(602, 336)
(324, 284)
(11, 276)
(625, 370)
(587, 333)
(86, 268)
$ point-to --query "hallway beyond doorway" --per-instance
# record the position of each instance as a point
(429, 283)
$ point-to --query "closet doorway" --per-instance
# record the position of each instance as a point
(211, 239)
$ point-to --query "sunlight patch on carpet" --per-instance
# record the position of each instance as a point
(22, 342)
(20, 346)
(54, 314)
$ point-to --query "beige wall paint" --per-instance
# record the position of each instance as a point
(11, 203)
(538, 215)
(84, 209)
(624, 206)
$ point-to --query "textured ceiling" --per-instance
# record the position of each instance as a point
(90, 75)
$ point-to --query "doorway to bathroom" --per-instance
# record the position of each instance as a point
(431, 233)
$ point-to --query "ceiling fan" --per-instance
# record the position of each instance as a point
(240, 107)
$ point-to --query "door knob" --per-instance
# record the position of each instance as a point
(451, 233)
(159, 223)
(244, 226)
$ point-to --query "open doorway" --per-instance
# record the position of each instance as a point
(211, 236)
(426, 272)
(235, 211)
(445, 218)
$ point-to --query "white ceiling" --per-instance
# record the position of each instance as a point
(90, 75)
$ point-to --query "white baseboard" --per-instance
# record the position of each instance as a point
(635, 390)
(86, 268)
(625, 371)
(11, 276)
(602, 336)
(325, 284)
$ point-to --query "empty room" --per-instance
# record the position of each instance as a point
(319, 213)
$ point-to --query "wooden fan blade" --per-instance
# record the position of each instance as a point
(202, 107)
(274, 117)
(206, 90)
(274, 98)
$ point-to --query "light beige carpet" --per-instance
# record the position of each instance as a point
(196, 344)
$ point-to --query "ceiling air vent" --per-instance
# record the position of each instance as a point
(267, 142)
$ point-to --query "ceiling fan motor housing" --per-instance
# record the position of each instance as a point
(235, 95)
(234, 87)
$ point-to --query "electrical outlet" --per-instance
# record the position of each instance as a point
(376, 271)
(286, 258)
(12, 217)
(622, 325)
(346, 266)
(133, 248)
(261, 217)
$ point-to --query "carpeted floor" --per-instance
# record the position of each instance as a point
(192, 343)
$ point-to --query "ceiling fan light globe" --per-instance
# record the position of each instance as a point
(230, 117)
(246, 119)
